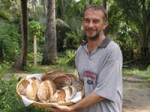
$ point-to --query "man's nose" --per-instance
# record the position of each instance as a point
(91, 24)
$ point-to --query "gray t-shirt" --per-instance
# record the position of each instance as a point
(101, 72)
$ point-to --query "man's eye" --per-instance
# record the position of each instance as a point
(86, 20)
(96, 21)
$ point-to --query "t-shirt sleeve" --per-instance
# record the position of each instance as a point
(77, 55)
(109, 76)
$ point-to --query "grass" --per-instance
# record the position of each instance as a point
(47, 68)
(135, 72)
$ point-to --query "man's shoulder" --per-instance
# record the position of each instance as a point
(79, 48)
(113, 45)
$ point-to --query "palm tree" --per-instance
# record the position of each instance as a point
(137, 12)
(50, 46)
(104, 4)
(22, 60)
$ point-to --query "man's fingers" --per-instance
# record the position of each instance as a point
(55, 105)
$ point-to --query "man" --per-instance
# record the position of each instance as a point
(99, 64)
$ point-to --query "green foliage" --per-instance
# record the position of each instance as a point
(128, 26)
(131, 10)
(68, 58)
(9, 41)
(71, 57)
(148, 68)
(73, 40)
(115, 19)
(36, 11)
(71, 13)
(128, 44)
(9, 100)
(36, 28)
(7, 9)
(62, 29)
(31, 57)
(4, 68)
(136, 13)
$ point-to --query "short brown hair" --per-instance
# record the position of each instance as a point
(97, 7)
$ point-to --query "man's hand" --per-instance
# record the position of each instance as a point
(55, 107)
(89, 100)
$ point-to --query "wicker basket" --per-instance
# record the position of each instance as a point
(44, 105)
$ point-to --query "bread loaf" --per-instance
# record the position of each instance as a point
(62, 81)
(46, 90)
(22, 87)
(52, 74)
(31, 90)
(64, 94)
(65, 80)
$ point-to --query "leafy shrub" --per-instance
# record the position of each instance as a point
(4, 67)
(71, 57)
(148, 68)
(31, 57)
(36, 29)
(9, 41)
(68, 58)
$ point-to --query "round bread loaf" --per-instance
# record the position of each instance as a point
(65, 94)
(24, 84)
(52, 75)
(46, 90)
(62, 81)
(32, 88)
(65, 80)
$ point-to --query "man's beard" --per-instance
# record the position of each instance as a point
(92, 38)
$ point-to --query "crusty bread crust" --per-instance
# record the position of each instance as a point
(52, 75)
(31, 90)
(22, 87)
(64, 94)
(46, 90)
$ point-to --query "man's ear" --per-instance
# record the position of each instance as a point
(105, 24)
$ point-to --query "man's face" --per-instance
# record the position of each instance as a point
(93, 23)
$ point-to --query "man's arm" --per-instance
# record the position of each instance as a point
(89, 100)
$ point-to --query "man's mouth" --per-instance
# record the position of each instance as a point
(91, 32)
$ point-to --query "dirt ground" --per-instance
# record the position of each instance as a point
(136, 95)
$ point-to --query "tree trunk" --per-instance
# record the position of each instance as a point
(35, 49)
(45, 7)
(104, 4)
(50, 46)
(145, 60)
(145, 56)
(22, 60)
(144, 33)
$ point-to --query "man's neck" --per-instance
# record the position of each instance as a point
(93, 44)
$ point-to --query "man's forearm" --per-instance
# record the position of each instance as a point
(89, 100)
